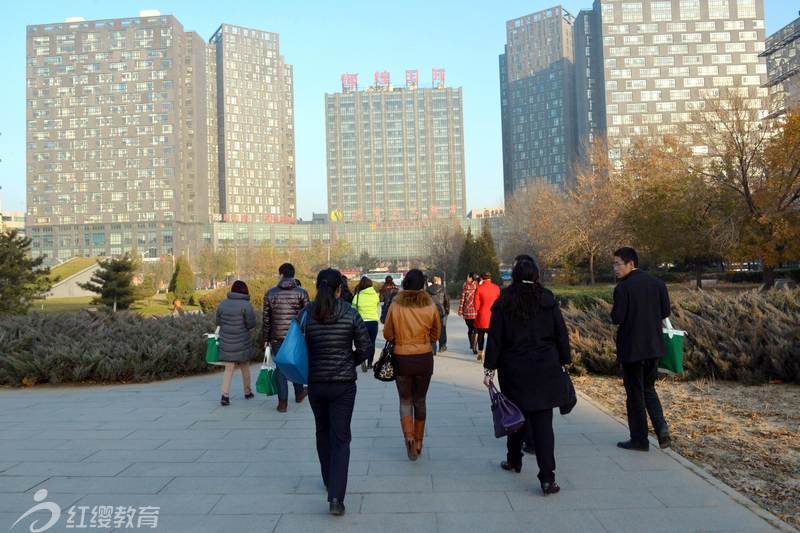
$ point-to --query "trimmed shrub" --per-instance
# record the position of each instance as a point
(257, 289)
(674, 277)
(182, 283)
(581, 297)
(757, 276)
(752, 336)
(103, 347)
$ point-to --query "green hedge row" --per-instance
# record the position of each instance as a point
(105, 347)
(257, 288)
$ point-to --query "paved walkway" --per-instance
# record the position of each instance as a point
(249, 468)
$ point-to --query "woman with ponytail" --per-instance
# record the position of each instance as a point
(528, 344)
(332, 327)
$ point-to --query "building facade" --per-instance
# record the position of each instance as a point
(661, 59)
(783, 67)
(538, 98)
(139, 132)
(395, 154)
(636, 68)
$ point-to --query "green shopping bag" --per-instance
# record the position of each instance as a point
(212, 348)
(266, 382)
(673, 362)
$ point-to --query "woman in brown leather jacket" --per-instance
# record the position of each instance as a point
(412, 322)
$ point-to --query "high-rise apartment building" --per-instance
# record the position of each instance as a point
(255, 123)
(639, 68)
(139, 132)
(395, 153)
(538, 98)
(660, 59)
(783, 67)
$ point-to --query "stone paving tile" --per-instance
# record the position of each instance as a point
(308, 468)
(17, 484)
(183, 523)
(286, 504)
(727, 518)
(33, 454)
(196, 444)
(407, 468)
(145, 456)
(687, 497)
(185, 469)
(383, 523)
(574, 499)
(109, 444)
(370, 484)
(82, 469)
(233, 485)
(550, 521)
(170, 504)
(105, 485)
(435, 502)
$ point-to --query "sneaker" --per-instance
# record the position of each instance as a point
(664, 440)
(443, 348)
(225, 400)
(249, 396)
(364, 366)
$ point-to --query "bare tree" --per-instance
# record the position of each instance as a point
(444, 242)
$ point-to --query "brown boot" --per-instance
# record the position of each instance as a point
(282, 404)
(480, 355)
(419, 433)
(407, 423)
(300, 397)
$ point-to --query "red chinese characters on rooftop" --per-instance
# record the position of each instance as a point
(412, 76)
(350, 80)
(438, 75)
(382, 78)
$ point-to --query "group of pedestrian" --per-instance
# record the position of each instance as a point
(527, 347)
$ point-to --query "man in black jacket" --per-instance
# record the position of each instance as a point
(281, 305)
(442, 301)
(641, 302)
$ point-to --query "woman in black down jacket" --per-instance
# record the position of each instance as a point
(332, 327)
(235, 318)
(528, 344)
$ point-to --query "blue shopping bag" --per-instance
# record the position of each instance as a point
(292, 358)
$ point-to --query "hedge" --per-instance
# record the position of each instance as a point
(257, 288)
(752, 336)
(89, 346)
(757, 276)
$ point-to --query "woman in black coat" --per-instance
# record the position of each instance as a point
(235, 318)
(528, 344)
(332, 327)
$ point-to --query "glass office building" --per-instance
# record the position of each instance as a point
(783, 67)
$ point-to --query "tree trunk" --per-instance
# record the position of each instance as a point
(591, 269)
(698, 270)
(769, 277)
(115, 303)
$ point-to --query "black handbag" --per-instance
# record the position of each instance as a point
(384, 366)
(572, 397)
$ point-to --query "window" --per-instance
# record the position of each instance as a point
(621, 73)
(721, 59)
(705, 26)
(665, 61)
(692, 38)
(677, 27)
(666, 106)
(649, 50)
(748, 36)
(694, 82)
(718, 9)
(633, 39)
(637, 108)
(662, 39)
(618, 29)
(690, 9)
(736, 69)
(636, 84)
(733, 25)
(723, 36)
(648, 28)
(677, 49)
(660, 11)
(620, 51)
(608, 14)
(736, 47)
(650, 72)
(746, 9)
(665, 83)
(634, 61)
(706, 48)
(622, 97)
(748, 58)
(708, 71)
(632, 12)
(678, 71)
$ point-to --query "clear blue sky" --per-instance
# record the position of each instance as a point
(323, 40)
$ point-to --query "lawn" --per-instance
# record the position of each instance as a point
(156, 306)
(71, 267)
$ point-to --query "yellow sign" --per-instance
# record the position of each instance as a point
(336, 215)
(372, 226)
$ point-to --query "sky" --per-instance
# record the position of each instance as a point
(324, 40)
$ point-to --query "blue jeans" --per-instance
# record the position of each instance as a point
(442, 337)
(372, 329)
(280, 378)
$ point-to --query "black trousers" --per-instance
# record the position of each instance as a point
(544, 442)
(642, 399)
(332, 404)
(470, 325)
(481, 336)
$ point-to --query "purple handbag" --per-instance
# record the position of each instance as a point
(507, 416)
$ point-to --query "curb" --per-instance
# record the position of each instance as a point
(745, 502)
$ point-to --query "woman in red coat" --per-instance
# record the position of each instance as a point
(485, 296)
(466, 309)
